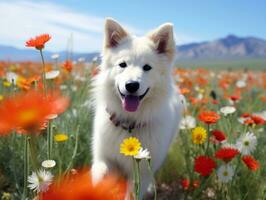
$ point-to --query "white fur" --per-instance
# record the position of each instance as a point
(160, 109)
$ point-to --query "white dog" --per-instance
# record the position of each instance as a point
(134, 92)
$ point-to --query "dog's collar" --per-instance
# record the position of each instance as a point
(125, 124)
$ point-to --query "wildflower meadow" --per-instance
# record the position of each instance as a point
(46, 111)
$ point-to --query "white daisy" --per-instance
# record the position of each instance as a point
(51, 74)
(48, 163)
(11, 77)
(143, 154)
(40, 181)
(226, 110)
(241, 84)
(225, 173)
(247, 143)
(187, 122)
(55, 56)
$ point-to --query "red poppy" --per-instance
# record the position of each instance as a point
(68, 65)
(185, 183)
(204, 165)
(235, 98)
(250, 162)
(209, 117)
(29, 111)
(219, 135)
(39, 41)
(80, 187)
(245, 115)
(258, 120)
(226, 154)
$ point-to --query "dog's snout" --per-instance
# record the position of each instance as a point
(132, 86)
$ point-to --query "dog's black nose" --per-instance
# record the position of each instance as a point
(132, 86)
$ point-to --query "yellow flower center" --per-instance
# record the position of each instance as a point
(27, 116)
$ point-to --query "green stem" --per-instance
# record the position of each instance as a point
(49, 139)
(153, 179)
(26, 166)
(208, 138)
(43, 73)
(138, 180)
(32, 147)
(75, 150)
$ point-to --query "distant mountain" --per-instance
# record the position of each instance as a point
(230, 47)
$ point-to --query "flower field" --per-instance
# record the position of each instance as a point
(45, 128)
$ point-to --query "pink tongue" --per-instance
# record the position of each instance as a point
(131, 103)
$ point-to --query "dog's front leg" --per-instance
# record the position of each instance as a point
(98, 170)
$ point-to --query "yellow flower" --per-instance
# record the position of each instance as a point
(199, 135)
(1, 97)
(6, 84)
(130, 146)
(60, 137)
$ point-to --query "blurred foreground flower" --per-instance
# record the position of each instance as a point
(80, 187)
(29, 111)
(39, 41)
(40, 181)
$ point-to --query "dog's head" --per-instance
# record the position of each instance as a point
(138, 67)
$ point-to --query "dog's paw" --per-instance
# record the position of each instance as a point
(98, 170)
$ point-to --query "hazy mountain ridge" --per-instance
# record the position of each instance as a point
(230, 47)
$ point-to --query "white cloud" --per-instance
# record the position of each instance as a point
(184, 39)
(21, 20)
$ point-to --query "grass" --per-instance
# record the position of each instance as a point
(250, 64)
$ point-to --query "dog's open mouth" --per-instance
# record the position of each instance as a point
(130, 103)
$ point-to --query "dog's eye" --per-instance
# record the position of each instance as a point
(123, 64)
(146, 67)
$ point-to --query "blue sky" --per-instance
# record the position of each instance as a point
(194, 20)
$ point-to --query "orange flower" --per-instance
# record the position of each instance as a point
(80, 187)
(184, 91)
(39, 41)
(209, 117)
(28, 111)
(68, 65)
(250, 162)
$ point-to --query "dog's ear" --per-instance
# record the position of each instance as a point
(163, 37)
(114, 33)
